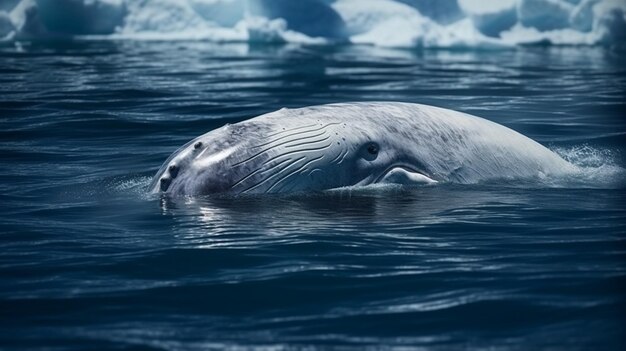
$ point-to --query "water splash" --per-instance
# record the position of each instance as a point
(595, 168)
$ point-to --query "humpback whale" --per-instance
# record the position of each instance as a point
(352, 144)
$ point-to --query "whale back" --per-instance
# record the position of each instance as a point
(452, 146)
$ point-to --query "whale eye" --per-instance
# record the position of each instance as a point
(370, 151)
(372, 148)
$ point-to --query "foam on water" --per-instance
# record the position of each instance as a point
(596, 168)
(392, 23)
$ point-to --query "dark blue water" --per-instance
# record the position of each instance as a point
(90, 261)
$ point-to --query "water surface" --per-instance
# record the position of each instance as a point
(90, 261)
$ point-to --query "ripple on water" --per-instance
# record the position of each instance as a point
(90, 260)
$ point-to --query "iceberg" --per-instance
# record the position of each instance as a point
(313, 18)
(7, 29)
(491, 20)
(393, 24)
(390, 23)
(544, 15)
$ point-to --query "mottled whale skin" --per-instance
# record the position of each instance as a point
(352, 144)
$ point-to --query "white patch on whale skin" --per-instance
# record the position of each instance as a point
(399, 175)
(215, 158)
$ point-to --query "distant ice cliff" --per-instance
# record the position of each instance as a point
(393, 23)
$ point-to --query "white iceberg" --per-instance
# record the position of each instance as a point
(390, 23)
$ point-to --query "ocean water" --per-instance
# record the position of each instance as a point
(91, 261)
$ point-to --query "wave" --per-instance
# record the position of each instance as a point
(390, 23)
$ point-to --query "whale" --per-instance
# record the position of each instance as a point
(356, 144)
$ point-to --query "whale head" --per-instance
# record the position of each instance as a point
(308, 149)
